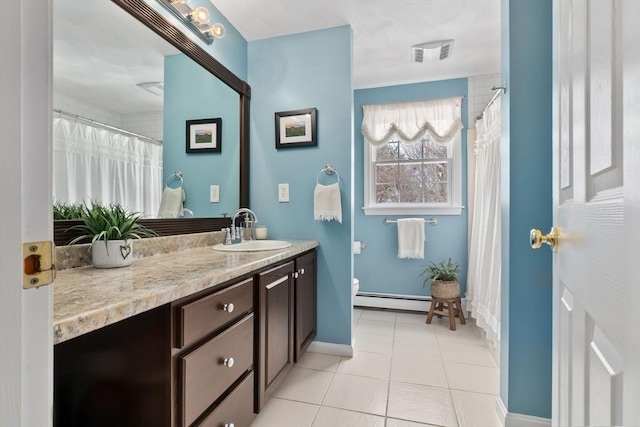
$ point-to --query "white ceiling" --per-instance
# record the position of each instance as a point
(383, 33)
(101, 53)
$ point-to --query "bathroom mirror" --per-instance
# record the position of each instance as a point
(180, 43)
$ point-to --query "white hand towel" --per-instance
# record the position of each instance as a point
(326, 203)
(411, 238)
(171, 202)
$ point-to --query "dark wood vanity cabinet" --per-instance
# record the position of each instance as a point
(276, 328)
(118, 375)
(287, 320)
(184, 364)
(211, 359)
(306, 302)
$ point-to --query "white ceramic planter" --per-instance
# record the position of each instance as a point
(116, 253)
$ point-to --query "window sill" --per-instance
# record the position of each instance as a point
(396, 210)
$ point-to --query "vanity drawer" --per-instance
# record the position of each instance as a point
(199, 318)
(236, 409)
(206, 372)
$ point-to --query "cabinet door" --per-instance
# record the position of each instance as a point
(276, 329)
(306, 300)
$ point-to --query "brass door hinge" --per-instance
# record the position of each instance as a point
(39, 264)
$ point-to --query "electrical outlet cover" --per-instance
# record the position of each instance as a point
(283, 193)
(214, 193)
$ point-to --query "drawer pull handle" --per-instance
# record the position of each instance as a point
(228, 307)
(295, 275)
(302, 271)
(229, 362)
(229, 425)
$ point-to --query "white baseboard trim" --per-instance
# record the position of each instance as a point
(521, 420)
(501, 409)
(392, 301)
(396, 301)
(511, 419)
(344, 350)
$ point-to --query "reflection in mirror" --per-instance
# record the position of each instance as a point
(123, 96)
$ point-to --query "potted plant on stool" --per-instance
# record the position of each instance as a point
(444, 279)
(445, 291)
(111, 229)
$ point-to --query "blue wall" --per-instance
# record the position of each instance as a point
(288, 73)
(190, 93)
(378, 267)
(526, 352)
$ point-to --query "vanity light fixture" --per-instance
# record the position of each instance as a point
(200, 15)
(440, 50)
(197, 20)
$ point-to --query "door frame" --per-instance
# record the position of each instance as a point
(26, 339)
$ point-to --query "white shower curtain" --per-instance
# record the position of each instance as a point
(94, 163)
(483, 278)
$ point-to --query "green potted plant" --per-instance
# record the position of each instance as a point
(66, 211)
(111, 229)
(444, 279)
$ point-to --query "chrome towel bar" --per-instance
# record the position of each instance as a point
(432, 221)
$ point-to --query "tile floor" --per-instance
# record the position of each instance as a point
(404, 373)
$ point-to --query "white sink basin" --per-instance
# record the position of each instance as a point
(253, 246)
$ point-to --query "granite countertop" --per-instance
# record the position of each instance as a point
(86, 298)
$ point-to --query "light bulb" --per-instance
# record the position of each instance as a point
(200, 15)
(217, 31)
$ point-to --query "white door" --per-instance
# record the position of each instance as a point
(26, 335)
(596, 203)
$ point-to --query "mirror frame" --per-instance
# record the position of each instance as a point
(144, 13)
(140, 10)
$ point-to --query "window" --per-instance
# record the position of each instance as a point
(422, 176)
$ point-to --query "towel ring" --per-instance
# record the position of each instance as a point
(329, 169)
(177, 176)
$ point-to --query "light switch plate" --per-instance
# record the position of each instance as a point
(283, 193)
(214, 193)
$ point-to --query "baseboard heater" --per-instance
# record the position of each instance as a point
(392, 301)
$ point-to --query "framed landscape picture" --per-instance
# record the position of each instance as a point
(204, 136)
(296, 128)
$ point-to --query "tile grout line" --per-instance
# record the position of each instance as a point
(453, 405)
(313, 420)
(393, 342)
(333, 375)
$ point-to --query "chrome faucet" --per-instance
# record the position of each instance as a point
(250, 224)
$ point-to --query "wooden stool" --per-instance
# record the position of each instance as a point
(453, 306)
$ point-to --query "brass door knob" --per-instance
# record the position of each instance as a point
(551, 239)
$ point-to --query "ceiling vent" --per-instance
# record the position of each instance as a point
(440, 49)
(156, 88)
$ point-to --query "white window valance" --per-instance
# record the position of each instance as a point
(410, 121)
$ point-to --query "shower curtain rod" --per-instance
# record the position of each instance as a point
(106, 126)
(500, 91)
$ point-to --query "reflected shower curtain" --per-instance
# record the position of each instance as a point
(94, 163)
(484, 276)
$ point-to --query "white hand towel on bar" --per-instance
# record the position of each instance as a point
(171, 202)
(326, 203)
(411, 238)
